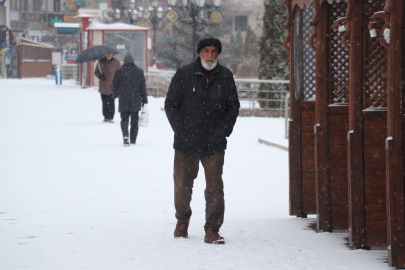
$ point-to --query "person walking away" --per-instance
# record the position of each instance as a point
(108, 66)
(202, 106)
(129, 87)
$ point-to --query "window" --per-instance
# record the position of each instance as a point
(36, 5)
(25, 5)
(241, 23)
(33, 5)
(15, 4)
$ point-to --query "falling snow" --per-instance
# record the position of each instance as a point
(72, 197)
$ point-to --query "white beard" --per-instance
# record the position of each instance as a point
(209, 66)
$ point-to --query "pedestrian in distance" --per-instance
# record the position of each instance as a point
(129, 87)
(105, 71)
(202, 106)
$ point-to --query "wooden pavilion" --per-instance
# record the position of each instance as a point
(347, 120)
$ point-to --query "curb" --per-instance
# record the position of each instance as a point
(273, 144)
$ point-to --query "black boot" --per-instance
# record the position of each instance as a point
(126, 141)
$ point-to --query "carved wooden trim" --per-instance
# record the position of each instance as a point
(312, 38)
(301, 3)
(306, 3)
(290, 22)
(286, 41)
(386, 17)
(344, 37)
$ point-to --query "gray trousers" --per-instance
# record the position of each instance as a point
(185, 171)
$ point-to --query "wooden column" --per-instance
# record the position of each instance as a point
(322, 161)
(395, 142)
(294, 144)
(354, 136)
(302, 91)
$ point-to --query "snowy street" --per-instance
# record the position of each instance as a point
(72, 197)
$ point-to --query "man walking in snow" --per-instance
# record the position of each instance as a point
(129, 87)
(105, 72)
(202, 106)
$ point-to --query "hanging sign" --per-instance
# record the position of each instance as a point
(140, 23)
(188, 19)
(216, 16)
(71, 55)
(200, 16)
(33, 17)
(67, 30)
(172, 16)
(56, 5)
(59, 18)
(169, 26)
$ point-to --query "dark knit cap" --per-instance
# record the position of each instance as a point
(209, 40)
(128, 58)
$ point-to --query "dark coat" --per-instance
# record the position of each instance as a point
(201, 111)
(129, 87)
(108, 68)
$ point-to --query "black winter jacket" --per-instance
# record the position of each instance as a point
(201, 111)
(129, 87)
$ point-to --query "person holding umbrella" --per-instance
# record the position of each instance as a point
(105, 71)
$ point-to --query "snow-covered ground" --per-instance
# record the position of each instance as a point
(72, 197)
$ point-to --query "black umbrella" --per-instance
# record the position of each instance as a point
(94, 53)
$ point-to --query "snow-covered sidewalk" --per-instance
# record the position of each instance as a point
(72, 197)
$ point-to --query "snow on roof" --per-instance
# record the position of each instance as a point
(85, 15)
(27, 42)
(115, 26)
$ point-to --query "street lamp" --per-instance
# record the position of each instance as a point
(171, 3)
(194, 7)
(147, 13)
(157, 14)
(134, 15)
(140, 12)
(259, 22)
(126, 11)
(217, 3)
(132, 4)
(117, 14)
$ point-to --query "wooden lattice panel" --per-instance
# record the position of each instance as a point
(309, 56)
(375, 61)
(339, 57)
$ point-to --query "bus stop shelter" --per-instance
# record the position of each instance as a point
(125, 38)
